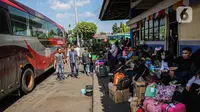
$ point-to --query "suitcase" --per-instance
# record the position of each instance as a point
(179, 107)
(150, 105)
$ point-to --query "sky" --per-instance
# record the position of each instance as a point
(62, 12)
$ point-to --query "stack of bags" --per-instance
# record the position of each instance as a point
(156, 98)
(119, 89)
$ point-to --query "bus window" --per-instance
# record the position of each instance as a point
(19, 22)
(3, 22)
(39, 27)
(60, 33)
(53, 31)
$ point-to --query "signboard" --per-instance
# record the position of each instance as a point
(134, 26)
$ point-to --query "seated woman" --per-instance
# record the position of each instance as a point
(130, 54)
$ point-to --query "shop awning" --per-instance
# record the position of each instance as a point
(154, 7)
(124, 9)
(115, 10)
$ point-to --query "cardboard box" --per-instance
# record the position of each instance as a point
(139, 89)
(135, 102)
(118, 96)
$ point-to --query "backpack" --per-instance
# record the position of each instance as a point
(85, 57)
(123, 83)
(102, 71)
(117, 77)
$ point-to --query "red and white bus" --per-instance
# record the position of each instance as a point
(28, 42)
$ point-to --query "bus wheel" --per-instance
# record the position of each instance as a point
(28, 81)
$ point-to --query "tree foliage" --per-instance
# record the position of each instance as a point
(121, 29)
(102, 33)
(85, 28)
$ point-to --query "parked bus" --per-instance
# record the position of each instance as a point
(28, 42)
(114, 37)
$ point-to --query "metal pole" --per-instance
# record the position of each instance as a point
(76, 18)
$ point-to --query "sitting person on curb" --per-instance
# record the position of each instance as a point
(192, 93)
(183, 65)
(130, 54)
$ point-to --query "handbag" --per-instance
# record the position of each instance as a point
(165, 93)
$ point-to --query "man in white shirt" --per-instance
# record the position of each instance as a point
(78, 50)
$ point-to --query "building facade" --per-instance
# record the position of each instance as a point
(154, 23)
(158, 26)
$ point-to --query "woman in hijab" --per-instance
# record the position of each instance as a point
(112, 56)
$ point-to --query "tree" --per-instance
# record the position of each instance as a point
(123, 28)
(115, 28)
(88, 29)
(102, 33)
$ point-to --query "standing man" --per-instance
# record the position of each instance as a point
(59, 64)
(73, 57)
(86, 59)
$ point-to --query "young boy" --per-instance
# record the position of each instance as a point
(183, 66)
(59, 64)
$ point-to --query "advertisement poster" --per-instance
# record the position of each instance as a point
(162, 33)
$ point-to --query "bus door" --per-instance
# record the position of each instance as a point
(8, 75)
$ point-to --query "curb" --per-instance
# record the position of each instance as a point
(97, 94)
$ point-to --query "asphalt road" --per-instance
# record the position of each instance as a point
(51, 95)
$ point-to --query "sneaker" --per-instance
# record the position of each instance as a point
(130, 99)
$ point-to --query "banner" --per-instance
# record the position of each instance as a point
(176, 5)
(150, 17)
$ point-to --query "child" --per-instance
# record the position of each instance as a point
(192, 93)
(59, 64)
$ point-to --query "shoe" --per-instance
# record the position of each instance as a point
(130, 99)
(77, 77)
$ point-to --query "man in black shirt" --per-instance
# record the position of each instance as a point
(183, 66)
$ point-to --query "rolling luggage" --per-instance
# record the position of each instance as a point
(179, 107)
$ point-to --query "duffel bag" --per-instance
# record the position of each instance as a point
(150, 105)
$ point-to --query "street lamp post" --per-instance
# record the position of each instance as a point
(76, 19)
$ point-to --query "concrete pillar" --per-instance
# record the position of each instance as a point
(131, 37)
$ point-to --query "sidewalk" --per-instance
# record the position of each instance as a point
(101, 99)
(54, 96)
